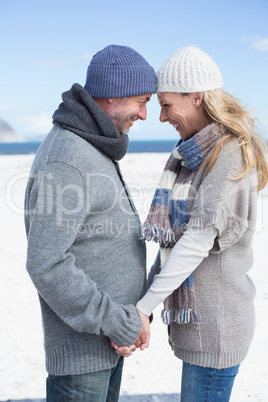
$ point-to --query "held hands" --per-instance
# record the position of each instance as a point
(141, 342)
(124, 351)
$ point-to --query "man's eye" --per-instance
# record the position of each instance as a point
(166, 106)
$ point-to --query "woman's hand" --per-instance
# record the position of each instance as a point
(124, 351)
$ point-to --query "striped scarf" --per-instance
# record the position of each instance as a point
(168, 216)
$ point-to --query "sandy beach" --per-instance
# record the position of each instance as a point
(151, 375)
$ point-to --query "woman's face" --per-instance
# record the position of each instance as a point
(182, 111)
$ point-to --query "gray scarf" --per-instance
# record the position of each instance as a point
(80, 114)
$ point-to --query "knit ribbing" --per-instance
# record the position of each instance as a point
(119, 71)
(63, 359)
(220, 360)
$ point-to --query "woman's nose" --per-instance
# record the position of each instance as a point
(163, 116)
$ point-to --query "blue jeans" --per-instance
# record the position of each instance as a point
(203, 384)
(102, 386)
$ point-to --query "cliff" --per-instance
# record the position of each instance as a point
(7, 134)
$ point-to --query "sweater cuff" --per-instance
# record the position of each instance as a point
(127, 330)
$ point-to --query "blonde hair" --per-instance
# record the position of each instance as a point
(226, 110)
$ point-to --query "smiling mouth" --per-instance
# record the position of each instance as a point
(176, 126)
(132, 120)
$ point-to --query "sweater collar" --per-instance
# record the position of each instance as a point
(80, 114)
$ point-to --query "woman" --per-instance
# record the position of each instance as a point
(203, 215)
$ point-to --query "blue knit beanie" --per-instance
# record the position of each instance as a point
(118, 72)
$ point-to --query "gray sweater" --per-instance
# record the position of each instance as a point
(84, 256)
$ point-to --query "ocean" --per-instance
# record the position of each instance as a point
(23, 148)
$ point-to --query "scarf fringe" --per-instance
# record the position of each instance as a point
(180, 316)
(153, 233)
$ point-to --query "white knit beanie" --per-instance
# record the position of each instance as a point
(189, 70)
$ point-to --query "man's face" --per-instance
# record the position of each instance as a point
(124, 111)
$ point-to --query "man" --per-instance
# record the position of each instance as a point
(84, 256)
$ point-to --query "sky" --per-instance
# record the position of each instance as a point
(46, 46)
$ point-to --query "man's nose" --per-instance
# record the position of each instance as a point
(143, 113)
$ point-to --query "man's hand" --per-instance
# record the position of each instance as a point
(141, 342)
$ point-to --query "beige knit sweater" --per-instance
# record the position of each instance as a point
(224, 291)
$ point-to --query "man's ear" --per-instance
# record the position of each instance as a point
(198, 98)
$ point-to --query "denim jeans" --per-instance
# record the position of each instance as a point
(102, 386)
(203, 384)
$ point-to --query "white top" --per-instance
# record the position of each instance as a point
(184, 258)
